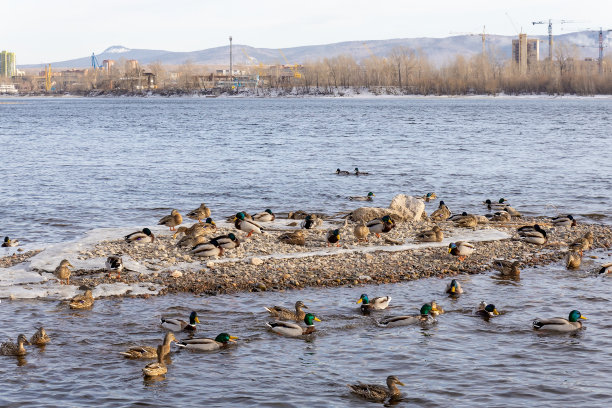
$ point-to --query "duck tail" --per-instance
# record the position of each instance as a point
(182, 345)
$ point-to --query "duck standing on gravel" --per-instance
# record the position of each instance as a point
(172, 220)
(199, 213)
(461, 249)
(308, 223)
(442, 213)
(333, 237)
(242, 224)
(533, 234)
(361, 231)
(379, 225)
(433, 235)
(114, 263)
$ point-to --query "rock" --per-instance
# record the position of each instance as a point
(368, 257)
(210, 264)
(176, 274)
(402, 208)
(365, 277)
(256, 261)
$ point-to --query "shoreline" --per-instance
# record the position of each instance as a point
(261, 263)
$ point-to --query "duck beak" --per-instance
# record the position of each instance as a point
(495, 312)
(453, 289)
(582, 317)
(400, 383)
(318, 320)
(233, 338)
(359, 301)
(197, 320)
(449, 250)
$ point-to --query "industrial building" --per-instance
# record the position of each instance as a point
(525, 52)
(8, 65)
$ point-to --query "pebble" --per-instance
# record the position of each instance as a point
(176, 274)
(256, 261)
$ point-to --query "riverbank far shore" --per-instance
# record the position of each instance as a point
(262, 263)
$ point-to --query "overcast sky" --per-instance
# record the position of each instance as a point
(65, 29)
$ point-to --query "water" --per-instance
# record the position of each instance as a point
(461, 361)
(70, 165)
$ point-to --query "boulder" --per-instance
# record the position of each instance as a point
(402, 208)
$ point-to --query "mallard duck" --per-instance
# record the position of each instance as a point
(560, 324)
(40, 338)
(342, 172)
(454, 288)
(229, 241)
(377, 303)
(507, 268)
(206, 249)
(573, 260)
(606, 268)
(499, 205)
(501, 216)
(394, 321)
(380, 225)
(158, 368)
(460, 249)
(378, 393)
(242, 224)
(361, 231)
(428, 197)
(293, 238)
(205, 344)
(309, 222)
(197, 229)
(533, 234)
(143, 236)
(292, 329)
(467, 221)
(189, 241)
(84, 301)
(369, 197)
(436, 309)
(63, 272)
(266, 216)
(486, 311)
(442, 213)
(512, 211)
(114, 263)
(137, 352)
(177, 325)
(9, 242)
(12, 349)
(360, 173)
(583, 243)
(333, 237)
(457, 217)
(172, 220)
(283, 313)
(201, 212)
(433, 235)
(564, 221)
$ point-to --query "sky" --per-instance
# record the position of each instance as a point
(40, 32)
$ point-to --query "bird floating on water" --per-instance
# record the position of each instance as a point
(560, 324)
(206, 344)
(283, 313)
(10, 242)
(378, 393)
(292, 329)
(369, 197)
(177, 325)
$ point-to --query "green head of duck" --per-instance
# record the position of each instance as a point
(225, 338)
(452, 246)
(193, 318)
(209, 221)
(309, 319)
(371, 194)
(575, 315)
(364, 298)
(269, 211)
(491, 309)
(425, 309)
(240, 216)
(387, 219)
(231, 236)
(453, 286)
(147, 231)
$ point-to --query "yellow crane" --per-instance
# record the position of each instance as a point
(294, 68)
(482, 35)
(252, 61)
(48, 78)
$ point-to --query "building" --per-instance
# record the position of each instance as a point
(525, 52)
(8, 65)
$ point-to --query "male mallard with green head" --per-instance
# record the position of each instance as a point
(559, 324)
(292, 329)
(206, 344)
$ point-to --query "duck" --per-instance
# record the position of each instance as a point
(461, 249)
(178, 325)
(486, 311)
(242, 224)
(189, 241)
(138, 352)
(283, 313)
(428, 197)
(205, 344)
(12, 349)
(378, 393)
(229, 241)
(201, 212)
(172, 220)
(512, 211)
(436, 309)
(265, 216)
(507, 268)
(377, 303)
(158, 368)
(308, 223)
(361, 232)
(433, 235)
(583, 243)
(333, 237)
(10, 242)
(114, 263)
(564, 221)
(63, 271)
(40, 338)
(442, 213)
(369, 197)
(534, 235)
(395, 321)
(292, 329)
(573, 260)
(197, 229)
(360, 173)
(141, 237)
(500, 216)
(560, 324)
(454, 288)
(342, 172)
(84, 301)
(499, 205)
(606, 268)
(293, 238)
(466, 221)
(207, 249)
(379, 225)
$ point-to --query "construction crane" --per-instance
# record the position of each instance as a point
(482, 35)
(94, 62)
(601, 47)
(252, 60)
(294, 68)
(550, 36)
(48, 78)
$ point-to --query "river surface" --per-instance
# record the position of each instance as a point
(71, 165)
